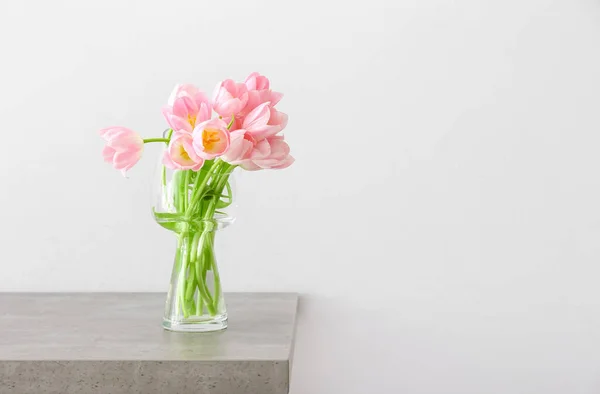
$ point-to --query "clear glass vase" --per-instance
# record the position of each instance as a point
(195, 205)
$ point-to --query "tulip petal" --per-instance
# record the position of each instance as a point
(278, 118)
(125, 160)
(261, 150)
(187, 107)
(255, 81)
(123, 147)
(251, 81)
(248, 165)
(258, 117)
(182, 152)
(279, 149)
(211, 139)
(288, 161)
(265, 132)
(180, 109)
(111, 132)
(168, 162)
(275, 98)
(181, 90)
(179, 124)
(108, 153)
(204, 113)
(229, 98)
(236, 145)
(167, 113)
(126, 142)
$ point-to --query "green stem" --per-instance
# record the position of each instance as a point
(222, 181)
(199, 186)
(191, 282)
(202, 286)
(199, 281)
(194, 252)
(185, 190)
(147, 140)
(216, 278)
(178, 265)
(186, 265)
(197, 195)
(199, 303)
(231, 122)
(164, 169)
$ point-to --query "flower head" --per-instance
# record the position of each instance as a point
(240, 147)
(270, 153)
(259, 92)
(123, 148)
(187, 106)
(264, 121)
(180, 154)
(211, 139)
(229, 98)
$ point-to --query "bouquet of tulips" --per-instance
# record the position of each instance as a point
(244, 132)
(206, 140)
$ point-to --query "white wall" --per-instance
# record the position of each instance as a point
(442, 217)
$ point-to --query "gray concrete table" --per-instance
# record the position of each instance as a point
(114, 343)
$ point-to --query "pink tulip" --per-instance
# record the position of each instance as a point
(264, 121)
(187, 107)
(229, 98)
(123, 148)
(255, 81)
(259, 92)
(241, 145)
(278, 118)
(211, 139)
(270, 153)
(180, 154)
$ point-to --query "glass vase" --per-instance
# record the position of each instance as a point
(195, 206)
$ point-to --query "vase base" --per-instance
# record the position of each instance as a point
(199, 324)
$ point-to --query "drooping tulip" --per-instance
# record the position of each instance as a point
(123, 148)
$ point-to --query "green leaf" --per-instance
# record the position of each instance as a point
(222, 204)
